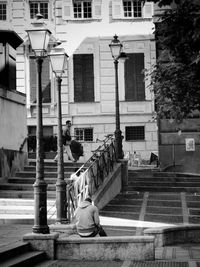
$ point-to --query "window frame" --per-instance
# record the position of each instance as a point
(136, 128)
(39, 2)
(82, 10)
(134, 5)
(6, 9)
(132, 90)
(83, 134)
(118, 10)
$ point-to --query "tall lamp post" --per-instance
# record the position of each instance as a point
(116, 51)
(39, 40)
(58, 62)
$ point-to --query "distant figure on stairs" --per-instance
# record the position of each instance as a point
(67, 142)
(87, 219)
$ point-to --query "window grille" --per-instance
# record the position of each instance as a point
(82, 9)
(3, 11)
(132, 9)
(134, 133)
(39, 7)
(83, 134)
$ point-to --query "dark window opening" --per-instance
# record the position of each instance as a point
(83, 78)
(134, 77)
(135, 133)
(3, 11)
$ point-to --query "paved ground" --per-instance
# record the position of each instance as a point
(176, 256)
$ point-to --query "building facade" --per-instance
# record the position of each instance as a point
(86, 28)
(13, 129)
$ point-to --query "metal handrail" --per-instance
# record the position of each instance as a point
(91, 175)
(23, 144)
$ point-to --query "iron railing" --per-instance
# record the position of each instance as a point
(91, 175)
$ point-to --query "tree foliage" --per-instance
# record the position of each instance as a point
(176, 77)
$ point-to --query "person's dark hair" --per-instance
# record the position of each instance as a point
(68, 122)
(88, 199)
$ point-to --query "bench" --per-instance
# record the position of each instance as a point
(139, 248)
(180, 234)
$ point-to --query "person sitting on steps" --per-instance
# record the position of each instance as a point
(87, 220)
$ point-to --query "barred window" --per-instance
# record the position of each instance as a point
(132, 9)
(3, 11)
(134, 133)
(39, 7)
(83, 134)
(82, 9)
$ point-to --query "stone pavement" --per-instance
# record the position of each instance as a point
(174, 256)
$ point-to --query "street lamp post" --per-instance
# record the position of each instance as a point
(58, 62)
(116, 51)
(39, 39)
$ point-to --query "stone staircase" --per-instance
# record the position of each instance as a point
(153, 198)
(21, 186)
(17, 195)
(21, 254)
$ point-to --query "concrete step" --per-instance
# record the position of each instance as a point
(46, 174)
(144, 188)
(22, 211)
(24, 194)
(50, 168)
(132, 173)
(13, 250)
(20, 255)
(29, 180)
(23, 187)
(52, 163)
(165, 183)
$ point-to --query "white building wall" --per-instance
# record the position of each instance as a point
(93, 37)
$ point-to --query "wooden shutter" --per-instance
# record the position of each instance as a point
(46, 85)
(148, 10)
(96, 9)
(117, 11)
(67, 9)
(33, 81)
(11, 61)
(83, 78)
(134, 77)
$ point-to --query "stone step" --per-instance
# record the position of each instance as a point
(52, 163)
(22, 202)
(23, 187)
(50, 168)
(163, 180)
(21, 255)
(165, 183)
(13, 250)
(160, 174)
(155, 188)
(46, 174)
(24, 194)
(29, 180)
(9, 209)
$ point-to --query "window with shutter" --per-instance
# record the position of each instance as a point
(81, 9)
(46, 84)
(127, 9)
(83, 78)
(134, 77)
